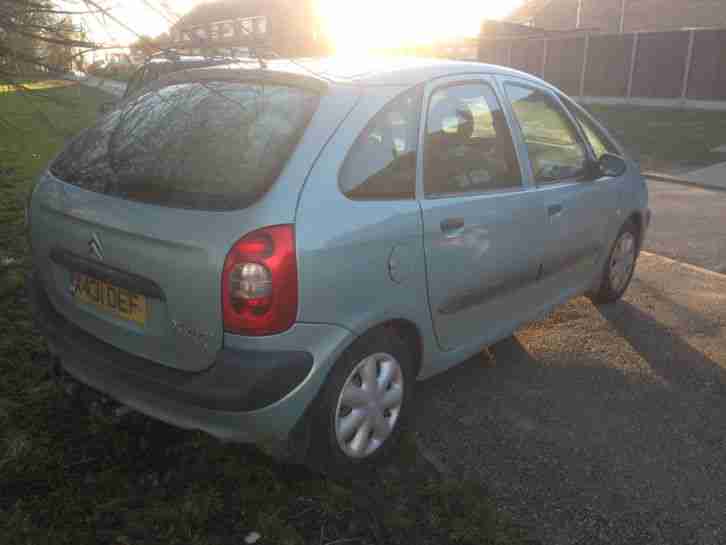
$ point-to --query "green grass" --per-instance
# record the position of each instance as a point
(73, 476)
(33, 127)
(662, 138)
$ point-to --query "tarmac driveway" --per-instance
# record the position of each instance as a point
(599, 425)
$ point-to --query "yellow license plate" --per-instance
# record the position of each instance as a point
(117, 301)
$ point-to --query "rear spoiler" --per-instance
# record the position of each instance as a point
(238, 72)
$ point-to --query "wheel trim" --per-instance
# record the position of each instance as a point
(622, 261)
(369, 405)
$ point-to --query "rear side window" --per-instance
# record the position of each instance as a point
(203, 145)
(381, 165)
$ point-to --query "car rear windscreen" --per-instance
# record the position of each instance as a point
(203, 145)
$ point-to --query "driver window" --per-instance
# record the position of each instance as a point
(468, 144)
(554, 149)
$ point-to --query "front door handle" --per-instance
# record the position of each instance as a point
(554, 210)
(452, 224)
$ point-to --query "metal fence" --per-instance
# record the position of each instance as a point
(680, 66)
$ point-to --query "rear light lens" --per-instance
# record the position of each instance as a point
(259, 283)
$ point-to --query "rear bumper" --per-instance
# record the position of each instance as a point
(247, 395)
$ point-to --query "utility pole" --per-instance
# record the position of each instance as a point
(622, 15)
(578, 23)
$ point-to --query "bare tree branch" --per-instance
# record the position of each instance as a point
(116, 20)
(51, 40)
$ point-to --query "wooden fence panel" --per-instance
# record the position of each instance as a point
(564, 63)
(707, 78)
(495, 51)
(608, 65)
(528, 56)
(660, 65)
(655, 60)
(488, 51)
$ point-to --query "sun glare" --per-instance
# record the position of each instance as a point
(356, 27)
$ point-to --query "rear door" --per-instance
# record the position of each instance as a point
(483, 226)
(578, 207)
(132, 224)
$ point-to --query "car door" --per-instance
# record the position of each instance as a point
(483, 225)
(579, 206)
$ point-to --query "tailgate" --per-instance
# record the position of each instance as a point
(166, 256)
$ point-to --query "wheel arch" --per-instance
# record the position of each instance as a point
(410, 334)
(407, 330)
(637, 219)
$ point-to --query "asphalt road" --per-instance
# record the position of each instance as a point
(689, 224)
(599, 425)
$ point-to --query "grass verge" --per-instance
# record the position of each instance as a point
(73, 476)
(665, 139)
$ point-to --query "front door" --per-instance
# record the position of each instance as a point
(579, 208)
(483, 225)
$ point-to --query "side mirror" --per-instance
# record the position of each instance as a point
(611, 165)
(107, 107)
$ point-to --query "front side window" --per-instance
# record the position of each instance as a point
(468, 144)
(599, 143)
(554, 149)
(381, 165)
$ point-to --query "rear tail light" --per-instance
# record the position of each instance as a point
(259, 282)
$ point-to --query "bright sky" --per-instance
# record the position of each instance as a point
(351, 23)
(145, 17)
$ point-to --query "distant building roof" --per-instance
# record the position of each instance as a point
(507, 29)
(285, 27)
(500, 29)
(209, 12)
(529, 9)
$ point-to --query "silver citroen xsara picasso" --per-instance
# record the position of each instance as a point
(276, 255)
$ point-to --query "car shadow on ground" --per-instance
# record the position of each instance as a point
(667, 352)
(596, 425)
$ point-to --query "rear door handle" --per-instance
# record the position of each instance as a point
(554, 210)
(452, 224)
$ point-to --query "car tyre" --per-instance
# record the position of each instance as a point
(376, 377)
(619, 268)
